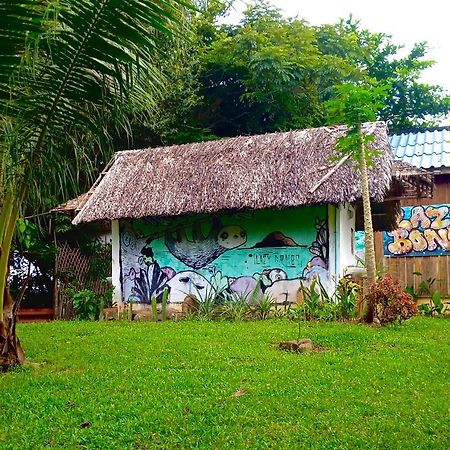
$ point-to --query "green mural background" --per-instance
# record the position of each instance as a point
(194, 252)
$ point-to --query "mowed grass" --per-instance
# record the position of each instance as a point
(173, 385)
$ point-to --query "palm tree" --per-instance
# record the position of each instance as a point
(367, 209)
(354, 105)
(71, 73)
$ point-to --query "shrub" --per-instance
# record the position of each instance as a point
(264, 307)
(347, 293)
(86, 305)
(207, 308)
(235, 307)
(434, 307)
(388, 302)
(316, 302)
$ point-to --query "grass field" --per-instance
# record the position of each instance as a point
(225, 385)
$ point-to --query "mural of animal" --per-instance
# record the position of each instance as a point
(275, 274)
(202, 250)
(284, 291)
(188, 283)
(246, 286)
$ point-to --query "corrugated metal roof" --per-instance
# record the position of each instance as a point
(427, 149)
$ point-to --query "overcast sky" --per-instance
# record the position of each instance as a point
(408, 21)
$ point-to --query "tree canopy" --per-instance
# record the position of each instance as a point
(270, 73)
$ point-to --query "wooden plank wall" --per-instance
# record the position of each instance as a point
(403, 268)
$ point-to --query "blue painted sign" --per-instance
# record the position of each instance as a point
(422, 231)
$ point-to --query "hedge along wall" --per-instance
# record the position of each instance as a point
(266, 250)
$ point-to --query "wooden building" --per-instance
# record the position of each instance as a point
(419, 249)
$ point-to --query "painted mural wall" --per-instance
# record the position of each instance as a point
(422, 231)
(261, 251)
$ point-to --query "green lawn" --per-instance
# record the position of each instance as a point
(171, 385)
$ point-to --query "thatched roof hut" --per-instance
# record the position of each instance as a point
(73, 206)
(283, 171)
(275, 170)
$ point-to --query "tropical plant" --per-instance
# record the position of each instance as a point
(435, 305)
(355, 104)
(71, 72)
(346, 296)
(263, 307)
(281, 313)
(207, 308)
(235, 307)
(165, 298)
(316, 303)
(86, 305)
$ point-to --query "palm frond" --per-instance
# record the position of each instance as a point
(18, 21)
(88, 65)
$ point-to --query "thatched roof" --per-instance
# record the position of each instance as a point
(73, 205)
(409, 181)
(276, 170)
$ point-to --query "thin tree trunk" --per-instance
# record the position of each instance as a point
(368, 226)
(9, 216)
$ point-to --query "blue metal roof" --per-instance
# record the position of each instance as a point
(428, 149)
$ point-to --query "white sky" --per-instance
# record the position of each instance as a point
(408, 21)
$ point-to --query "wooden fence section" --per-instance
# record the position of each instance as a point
(72, 266)
(35, 314)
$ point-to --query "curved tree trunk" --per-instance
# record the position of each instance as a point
(11, 353)
(368, 227)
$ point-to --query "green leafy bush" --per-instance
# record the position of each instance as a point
(86, 304)
(434, 307)
(388, 302)
(317, 304)
(235, 307)
(263, 308)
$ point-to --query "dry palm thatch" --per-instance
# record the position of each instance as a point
(276, 170)
(72, 205)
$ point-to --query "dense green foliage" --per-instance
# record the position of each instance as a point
(71, 73)
(78, 72)
(226, 385)
(269, 73)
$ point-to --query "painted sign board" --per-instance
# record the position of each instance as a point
(422, 231)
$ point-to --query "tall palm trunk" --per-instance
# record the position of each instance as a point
(368, 226)
(11, 352)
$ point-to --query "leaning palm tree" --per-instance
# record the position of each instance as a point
(71, 73)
